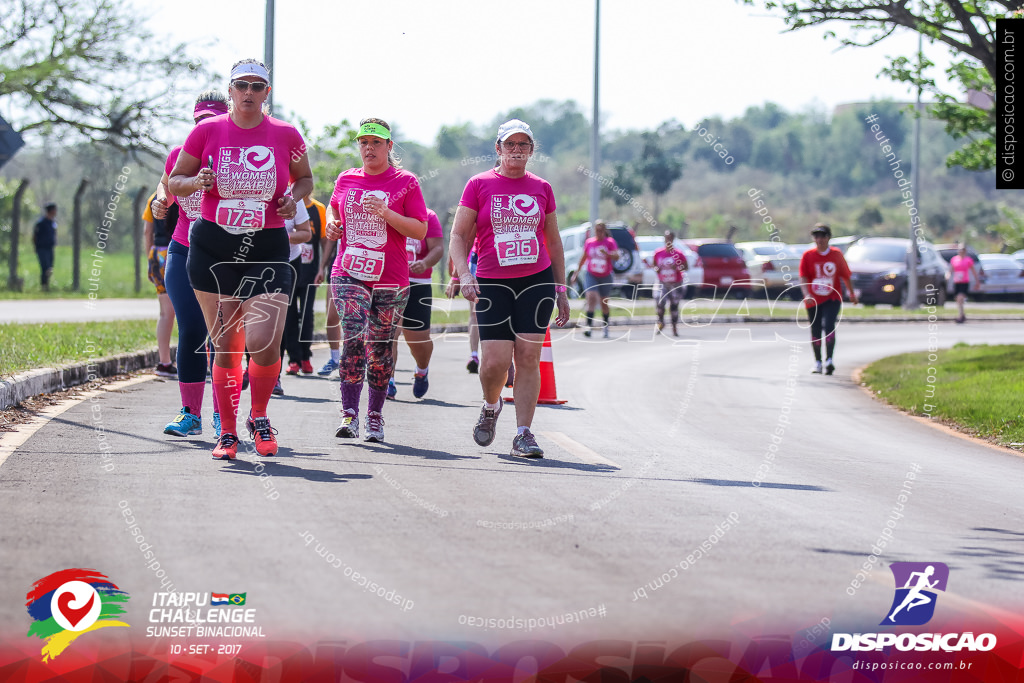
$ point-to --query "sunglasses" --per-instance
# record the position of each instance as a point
(522, 146)
(242, 86)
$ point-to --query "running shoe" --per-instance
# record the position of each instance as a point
(226, 448)
(829, 367)
(486, 426)
(245, 379)
(216, 424)
(675, 330)
(510, 379)
(473, 366)
(587, 332)
(419, 385)
(392, 389)
(166, 370)
(606, 335)
(293, 369)
(262, 434)
(330, 366)
(185, 424)
(349, 427)
(306, 367)
(661, 325)
(816, 370)
(374, 427)
(525, 446)
(278, 389)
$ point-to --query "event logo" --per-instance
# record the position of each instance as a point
(69, 603)
(258, 158)
(914, 602)
(524, 205)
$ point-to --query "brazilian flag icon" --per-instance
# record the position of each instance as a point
(237, 598)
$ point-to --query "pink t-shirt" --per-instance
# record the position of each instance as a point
(961, 268)
(189, 207)
(417, 249)
(509, 223)
(251, 167)
(600, 255)
(668, 265)
(369, 249)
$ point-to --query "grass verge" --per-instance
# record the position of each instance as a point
(28, 346)
(977, 389)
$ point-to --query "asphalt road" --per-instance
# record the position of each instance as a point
(656, 452)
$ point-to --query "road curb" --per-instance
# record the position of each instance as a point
(45, 380)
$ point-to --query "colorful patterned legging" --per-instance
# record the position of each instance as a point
(368, 322)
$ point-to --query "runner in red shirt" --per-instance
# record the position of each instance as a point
(822, 269)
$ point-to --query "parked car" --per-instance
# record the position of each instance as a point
(1003, 275)
(879, 270)
(777, 264)
(693, 276)
(841, 243)
(947, 252)
(627, 271)
(1019, 255)
(724, 268)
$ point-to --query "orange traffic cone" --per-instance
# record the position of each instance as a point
(548, 392)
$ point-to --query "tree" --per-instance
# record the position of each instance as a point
(966, 28)
(89, 70)
(658, 168)
(625, 185)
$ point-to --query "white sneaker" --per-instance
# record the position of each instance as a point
(374, 427)
(817, 368)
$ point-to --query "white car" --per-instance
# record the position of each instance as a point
(694, 275)
(1003, 274)
(627, 269)
(776, 263)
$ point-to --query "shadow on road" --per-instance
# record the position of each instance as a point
(278, 469)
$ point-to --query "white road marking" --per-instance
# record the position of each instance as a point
(11, 441)
(579, 450)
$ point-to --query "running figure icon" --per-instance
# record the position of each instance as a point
(915, 597)
(918, 584)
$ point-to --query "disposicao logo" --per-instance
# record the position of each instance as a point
(70, 603)
(917, 588)
(917, 584)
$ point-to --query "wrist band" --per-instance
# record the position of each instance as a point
(561, 289)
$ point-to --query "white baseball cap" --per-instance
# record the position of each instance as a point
(512, 127)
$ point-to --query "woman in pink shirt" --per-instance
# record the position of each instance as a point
(963, 269)
(599, 254)
(510, 212)
(373, 212)
(244, 162)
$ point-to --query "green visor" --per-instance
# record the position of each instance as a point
(374, 129)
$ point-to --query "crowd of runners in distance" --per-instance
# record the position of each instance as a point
(245, 243)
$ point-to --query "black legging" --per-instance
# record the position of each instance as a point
(823, 318)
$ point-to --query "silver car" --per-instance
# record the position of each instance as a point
(776, 263)
(1003, 275)
(693, 277)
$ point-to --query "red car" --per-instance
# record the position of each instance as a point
(724, 267)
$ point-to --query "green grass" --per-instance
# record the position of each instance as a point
(28, 346)
(115, 276)
(978, 389)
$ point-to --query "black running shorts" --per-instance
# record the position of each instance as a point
(513, 306)
(239, 266)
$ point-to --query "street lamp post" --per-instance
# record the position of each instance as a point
(595, 138)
